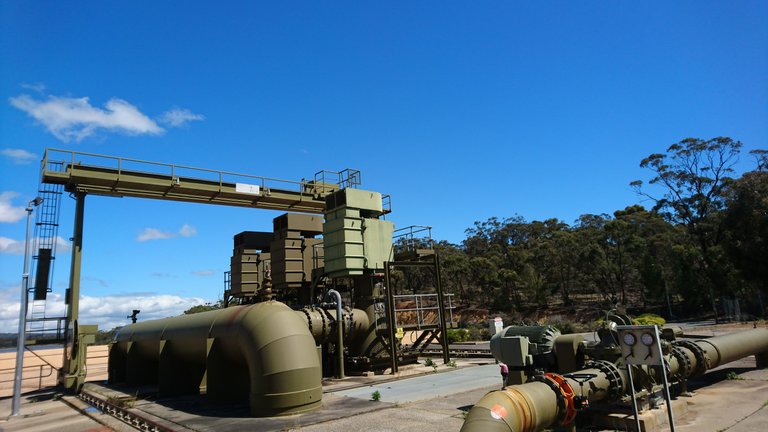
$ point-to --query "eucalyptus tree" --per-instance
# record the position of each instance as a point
(691, 177)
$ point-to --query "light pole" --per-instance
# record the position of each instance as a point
(21, 340)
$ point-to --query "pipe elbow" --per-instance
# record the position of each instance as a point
(282, 361)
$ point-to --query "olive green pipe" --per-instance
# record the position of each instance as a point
(727, 348)
(321, 324)
(533, 406)
(267, 341)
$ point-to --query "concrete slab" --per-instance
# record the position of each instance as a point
(344, 399)
(430, 386)
(731, 398)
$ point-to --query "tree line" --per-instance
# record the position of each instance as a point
(700, 249)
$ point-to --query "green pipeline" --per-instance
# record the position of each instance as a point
(535, 406)
(263, 351)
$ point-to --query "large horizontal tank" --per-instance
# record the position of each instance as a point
(263, 351)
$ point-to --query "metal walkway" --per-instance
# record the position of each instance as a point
(121, 177)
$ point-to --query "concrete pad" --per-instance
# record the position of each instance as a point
(722, 404)
(430, 386)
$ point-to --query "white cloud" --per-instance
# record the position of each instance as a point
(179, 117)
(107, 312)
(75, 118)
(156, 234)
(10, 246)
(8, 212)
(203, 273)
(187, 231)
(35, 87)
(19, 156)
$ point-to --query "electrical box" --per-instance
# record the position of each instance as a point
(514, 351)
(354, 240)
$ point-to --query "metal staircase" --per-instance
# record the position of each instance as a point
(39, 326)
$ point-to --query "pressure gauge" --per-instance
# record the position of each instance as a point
(647, 339)
(629, 339)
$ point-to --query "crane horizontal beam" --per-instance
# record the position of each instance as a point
(120, 177)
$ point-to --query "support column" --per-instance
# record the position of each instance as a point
(441, 308)
(69, 371)
(391, 324)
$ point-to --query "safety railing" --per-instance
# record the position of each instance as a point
(27, 374)
(39, 329)
(39, 376)
(72, 158)
(346, 178)
(421, 310)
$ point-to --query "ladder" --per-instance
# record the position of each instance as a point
(44, 255)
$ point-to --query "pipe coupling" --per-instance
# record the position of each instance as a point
(702, 359)
(566, 406)
(616, 384)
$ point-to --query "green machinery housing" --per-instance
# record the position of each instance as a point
(314, 297)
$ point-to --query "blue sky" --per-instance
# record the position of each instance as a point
(460, 111)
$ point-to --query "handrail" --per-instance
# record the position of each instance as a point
(424, 303)
(412, 237)
(173, 168)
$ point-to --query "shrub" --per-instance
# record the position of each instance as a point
(565, 326)
(458, 335)
(650, 319)
(376, 396)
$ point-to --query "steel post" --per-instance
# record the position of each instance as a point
(69, 369)
(664, 372)
(441, 308)
(21, 339)
(339, 331)
(391, 321)
(634, 399)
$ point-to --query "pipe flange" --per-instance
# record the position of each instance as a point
(309, 319)
(702, 359)
(683, 361)
(326, 330)
(562, 404)
(612, 374)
